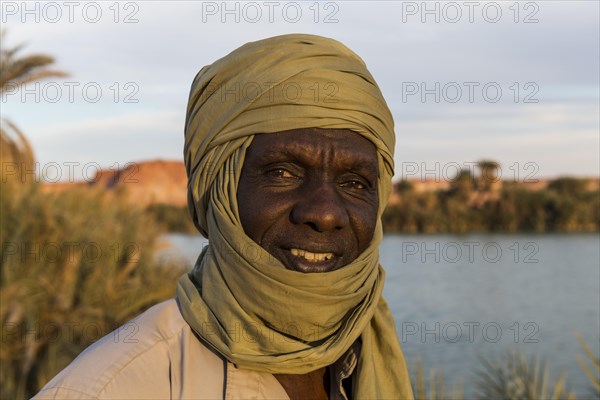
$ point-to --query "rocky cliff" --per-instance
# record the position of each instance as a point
(144, 183)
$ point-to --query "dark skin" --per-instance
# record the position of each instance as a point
(309, 197)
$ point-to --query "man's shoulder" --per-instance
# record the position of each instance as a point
(144, 358)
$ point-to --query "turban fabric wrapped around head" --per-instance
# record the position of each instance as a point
(293, 323)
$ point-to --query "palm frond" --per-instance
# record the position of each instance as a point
(15, 71)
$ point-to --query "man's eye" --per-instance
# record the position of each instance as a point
(354, 184)
(281, 173)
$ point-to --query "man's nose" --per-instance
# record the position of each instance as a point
(321, 208)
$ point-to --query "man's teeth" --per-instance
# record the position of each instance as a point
(312, 256)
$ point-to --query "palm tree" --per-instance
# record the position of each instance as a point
(14, 72)
(462, 184)
(488, 174)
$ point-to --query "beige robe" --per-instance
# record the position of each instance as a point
(157, 356)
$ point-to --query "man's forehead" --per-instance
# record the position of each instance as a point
(338, 139)
(307, 144)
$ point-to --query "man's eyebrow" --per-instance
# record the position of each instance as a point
(365, 165)
(276, 152)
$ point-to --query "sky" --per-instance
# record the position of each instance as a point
(514, 82)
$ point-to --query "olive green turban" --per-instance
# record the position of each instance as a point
(273, 85)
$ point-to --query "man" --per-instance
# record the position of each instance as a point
(289, 154)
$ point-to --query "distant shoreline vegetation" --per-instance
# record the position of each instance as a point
(474, 204)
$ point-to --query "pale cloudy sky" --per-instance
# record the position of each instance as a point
(516, 82)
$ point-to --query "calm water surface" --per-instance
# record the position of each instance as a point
(458, 298)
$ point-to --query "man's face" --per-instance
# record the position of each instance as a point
(309, 196)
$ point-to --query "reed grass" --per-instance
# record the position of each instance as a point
(73, 266)
(513, 377)
(593, 372)
(434, 388)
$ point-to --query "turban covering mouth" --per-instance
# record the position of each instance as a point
(238, 298)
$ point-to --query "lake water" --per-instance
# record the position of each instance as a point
(458, 298)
